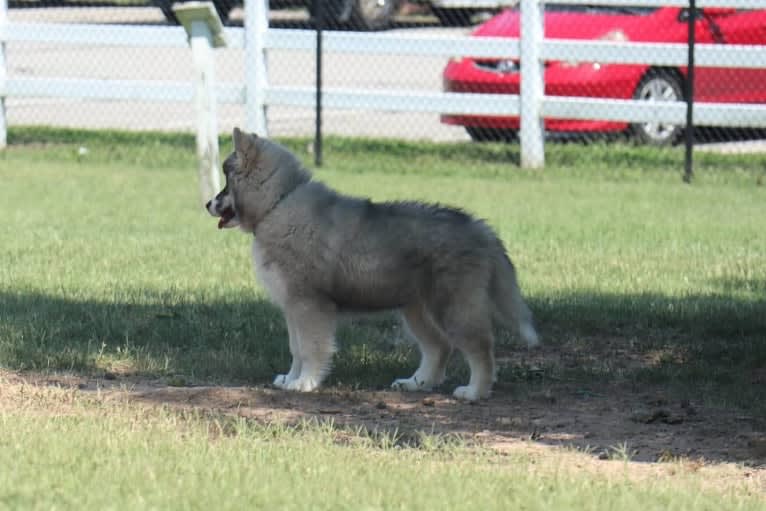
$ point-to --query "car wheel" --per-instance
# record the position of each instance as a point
(658, 85)
(373, 14)
(453, 17)
(491, 134)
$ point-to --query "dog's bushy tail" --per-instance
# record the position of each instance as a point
(510, 308)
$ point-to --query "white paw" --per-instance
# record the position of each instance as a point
(302, 384)
(281, 381)
(411, 385)
(468, 393)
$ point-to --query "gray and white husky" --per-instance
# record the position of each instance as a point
(319, 253)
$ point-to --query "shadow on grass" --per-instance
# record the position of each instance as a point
(706, 343)
(691, 340)
(146, 334)
(593, 386)
(153, 335)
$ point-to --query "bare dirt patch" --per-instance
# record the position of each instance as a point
(600, 429)
(646, 425)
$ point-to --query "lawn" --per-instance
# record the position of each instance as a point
(111, 270)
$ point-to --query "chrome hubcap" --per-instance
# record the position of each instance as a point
(658, 89)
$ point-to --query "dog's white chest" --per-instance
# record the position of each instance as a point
(269, 275)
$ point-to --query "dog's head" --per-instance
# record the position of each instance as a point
(259, 173)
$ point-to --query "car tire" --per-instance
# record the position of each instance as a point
(166, 6)
(491, 134)
(658, 85)
(453, 17)
(223, 8)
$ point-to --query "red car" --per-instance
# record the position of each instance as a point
(620, 81)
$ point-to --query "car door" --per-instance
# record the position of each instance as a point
(734, 84)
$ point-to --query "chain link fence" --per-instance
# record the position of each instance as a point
(94, 62)
(570, 76)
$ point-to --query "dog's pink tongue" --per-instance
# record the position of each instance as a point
(221, 222)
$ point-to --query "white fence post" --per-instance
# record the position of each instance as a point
(3, 77)
(256, 79)
(207, 117)
(204, 28)
(532, 132)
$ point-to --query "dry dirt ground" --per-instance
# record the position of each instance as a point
(658, 434)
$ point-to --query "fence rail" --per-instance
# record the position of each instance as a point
(608, 52)
(124, 90)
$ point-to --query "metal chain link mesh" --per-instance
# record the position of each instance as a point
(570, 76)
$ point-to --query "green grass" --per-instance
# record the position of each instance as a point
(109, 264)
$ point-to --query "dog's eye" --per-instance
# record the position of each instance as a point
(229, 166)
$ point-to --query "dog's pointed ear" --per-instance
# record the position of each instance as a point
(238, 137)
(243, 141)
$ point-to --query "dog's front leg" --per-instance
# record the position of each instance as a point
(314, 329)
(282, 380)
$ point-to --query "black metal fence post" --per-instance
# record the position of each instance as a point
(319, 20)
(689, 141)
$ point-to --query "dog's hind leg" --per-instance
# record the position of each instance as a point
(282, 380)
(314, 327)
(468, 324)
(481, 362)
(434, 350)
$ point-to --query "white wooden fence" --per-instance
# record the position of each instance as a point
(257, 93)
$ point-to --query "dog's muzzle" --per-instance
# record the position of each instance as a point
(226, 215)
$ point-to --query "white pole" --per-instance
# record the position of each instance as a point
(205, 102)
(256, 78)
(532, 84)
(3, 78)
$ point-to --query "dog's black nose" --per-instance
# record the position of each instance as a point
(207, 206)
